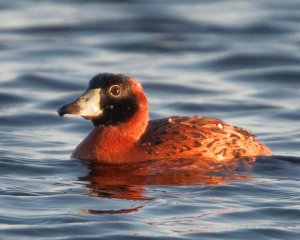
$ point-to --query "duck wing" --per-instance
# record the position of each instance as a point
(199, 136)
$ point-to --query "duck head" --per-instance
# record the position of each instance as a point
(110, 99)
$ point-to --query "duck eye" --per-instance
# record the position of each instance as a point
(115, 90)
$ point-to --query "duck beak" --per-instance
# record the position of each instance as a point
(87, 105)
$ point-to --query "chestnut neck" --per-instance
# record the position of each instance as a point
(129, 131)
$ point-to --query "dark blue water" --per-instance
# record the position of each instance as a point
(234, 60)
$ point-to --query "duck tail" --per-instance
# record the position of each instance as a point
(264, 151)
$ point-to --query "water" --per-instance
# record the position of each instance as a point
(234, 60)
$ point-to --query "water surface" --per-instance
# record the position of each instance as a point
(234, 60)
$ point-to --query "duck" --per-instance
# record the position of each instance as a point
(117, 106)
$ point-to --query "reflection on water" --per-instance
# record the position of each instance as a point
(129, 181)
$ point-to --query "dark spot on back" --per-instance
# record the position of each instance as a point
(197, 144)
(211, 143)
(157, 142)
(233, 135)
(185, 137)
(198, 135)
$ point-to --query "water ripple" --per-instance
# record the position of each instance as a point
(235, 60)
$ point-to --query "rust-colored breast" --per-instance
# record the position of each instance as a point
(176, 137)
